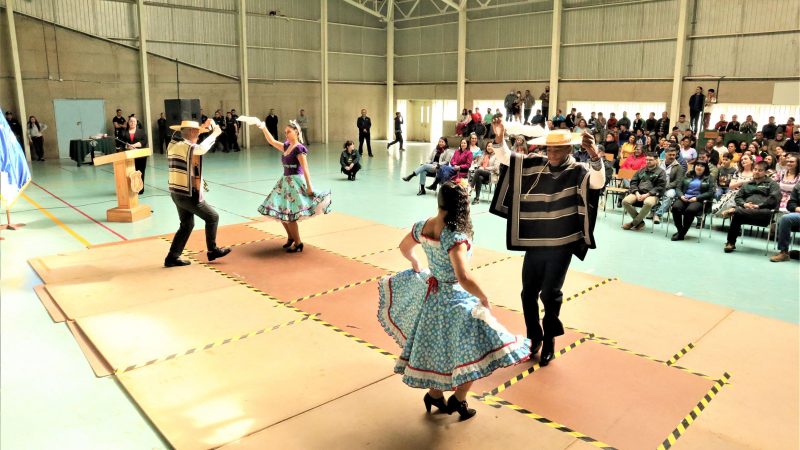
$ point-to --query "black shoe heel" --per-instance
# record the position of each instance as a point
(288, 243)
(295, 249)
(462, 408)
(437, 402)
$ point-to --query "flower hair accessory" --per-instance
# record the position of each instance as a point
(463, 183)
(294, 124)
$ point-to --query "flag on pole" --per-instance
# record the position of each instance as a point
(14, 172)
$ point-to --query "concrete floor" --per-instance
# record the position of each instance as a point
(45, 379)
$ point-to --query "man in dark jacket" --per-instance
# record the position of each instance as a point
(792, 145)
(364, 124)
(696, 102)
(662, 125)
(272, 123)
(788, 223)
(650, 123)
(647, 185)
(350, 161)
(770, 129)
(755, 202)
(674, 172)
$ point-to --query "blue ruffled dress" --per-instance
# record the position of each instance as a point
(288, 200)
(430, 316)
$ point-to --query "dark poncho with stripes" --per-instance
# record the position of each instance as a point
(546, 207)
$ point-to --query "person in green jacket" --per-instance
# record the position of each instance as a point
(692, 193)
(755, 202)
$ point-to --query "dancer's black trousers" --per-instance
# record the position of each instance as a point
(543, 273)
(188, 207)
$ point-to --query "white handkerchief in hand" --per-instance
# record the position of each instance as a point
(250, 120)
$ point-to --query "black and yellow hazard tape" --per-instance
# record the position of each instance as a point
(535, 367)
(386, 250)
(499, 402)
(491, 263)
(336, 289)
(680, 354)
(214, 344)
(613, 344)
(695, 412)
(355, 338)
(585, 291)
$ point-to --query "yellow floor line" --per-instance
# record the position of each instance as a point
(57, 221)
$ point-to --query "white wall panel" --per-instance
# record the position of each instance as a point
(520, 64)
(356, 68)
(620, 61)
(534, 29)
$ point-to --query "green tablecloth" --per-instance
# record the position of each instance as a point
(79, 148)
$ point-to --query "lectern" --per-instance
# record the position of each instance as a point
(128, 183)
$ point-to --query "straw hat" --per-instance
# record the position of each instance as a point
(189, 124)
(558, 137)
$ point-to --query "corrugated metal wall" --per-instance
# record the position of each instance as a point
(426, 53)
(611, 41)
(718, 49)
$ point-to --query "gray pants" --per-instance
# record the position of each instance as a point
(188, 207)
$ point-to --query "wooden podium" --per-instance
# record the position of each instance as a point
(128, 182)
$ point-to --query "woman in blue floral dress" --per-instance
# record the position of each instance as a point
(293, 197)
(440, 317)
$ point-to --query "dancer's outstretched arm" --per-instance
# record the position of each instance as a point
(270, 139)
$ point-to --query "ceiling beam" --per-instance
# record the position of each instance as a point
(370, 11)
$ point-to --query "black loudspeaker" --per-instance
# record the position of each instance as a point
(176, 110)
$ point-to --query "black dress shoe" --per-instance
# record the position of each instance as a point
(288, 243)
(175, 262)
(677, 237)
(437, 402)
(218, 253)
(462, 408)
(548, 352)
(535, 347)
(433, 186)
(421, 190)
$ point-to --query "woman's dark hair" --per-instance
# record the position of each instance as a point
(704, 165)
(347, 143)
(796, 157)
(454, 199)
(30, 123)
(446, 145)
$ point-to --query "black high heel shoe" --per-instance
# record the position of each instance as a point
(437, 402)
(462, 408)
(288, 243)
(295, 248)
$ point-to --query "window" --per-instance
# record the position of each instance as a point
(760, 113)
(451, 112)
(643, 108)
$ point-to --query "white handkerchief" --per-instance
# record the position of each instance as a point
(250, 120)
(516, 129)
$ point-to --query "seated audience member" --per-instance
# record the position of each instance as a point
(458, 167)
(674, 173)
(636, 161)
(743, 174)
(520, 145)
(440, 156)
(754, 204)
(580, 126)
(722, 125)
(792, 145)
(474, 147)
(627, 148)
(611, 148)
(748, 126)
(693, 191)
(788, 223)
(770, 129)
(779, 141)
(733, 151)
(537, 119)
(581, 155)
(787, 180)
(682, 124)
(640, 138)
(703, 157)
(487, 167)
(761, 140)
(647, 185)
(608, 165)
(350, 160)
(733, 125)
(713, 155)
(624, 135)
(771, 171)
(719, 145)
(780, 160)
(687, 152)
(725, 173)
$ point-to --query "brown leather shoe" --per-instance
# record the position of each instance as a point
(639, 226)
(780, 257)
(627, 226)
(729, 248)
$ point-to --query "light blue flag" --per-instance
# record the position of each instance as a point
(14, 172)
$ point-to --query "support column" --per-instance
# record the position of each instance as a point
(390, 108)
(145, 77)
(462, 56)
(555, 57)
(680, 63)
(21, 113)
(324, 72)
(244, 78)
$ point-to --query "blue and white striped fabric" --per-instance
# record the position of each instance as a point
(14, 171)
